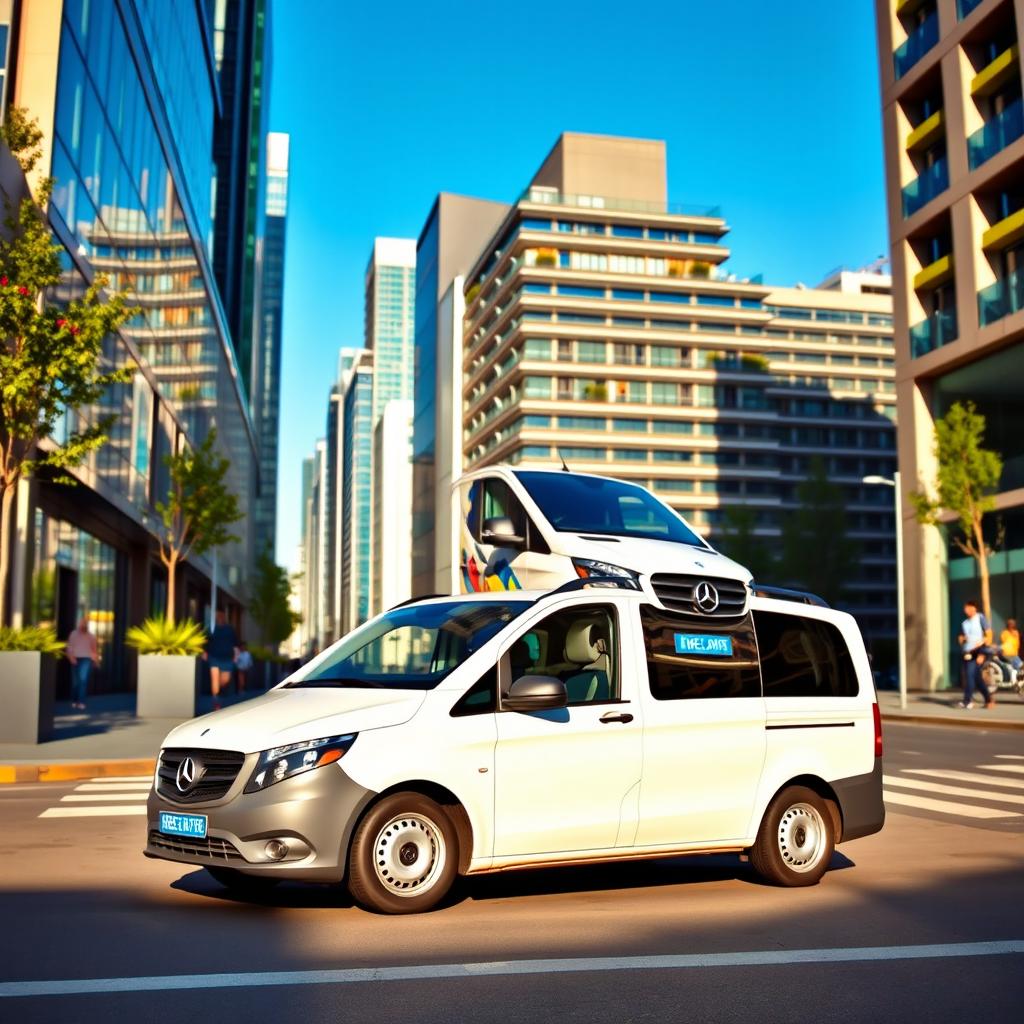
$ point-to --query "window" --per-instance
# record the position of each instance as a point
(687, 660)
(481, 698)
(626, 264)
(627, 295)
(580, 291)
(663, 393)
(537, 348)
(579, 646)
(591, 352)
(627, 231)
(634, 426)
(564, 351)
(630, 454)
(803, 657)
(589, 261)
(628, 355)
(668, 355)
(582, 423)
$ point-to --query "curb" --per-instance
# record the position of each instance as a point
(72, 771)
(953, 723)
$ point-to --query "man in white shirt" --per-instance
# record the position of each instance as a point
(975, 638)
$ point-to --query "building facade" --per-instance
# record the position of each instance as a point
(392, 506)
(356, 496)
(953, 120)
(126, 93)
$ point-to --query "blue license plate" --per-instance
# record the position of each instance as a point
(192, 825)
(702, 643)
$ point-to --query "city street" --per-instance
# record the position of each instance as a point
(80, 904)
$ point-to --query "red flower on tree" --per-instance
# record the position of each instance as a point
(22, 290)
(3, 281)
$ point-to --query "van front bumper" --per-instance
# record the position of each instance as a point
(313, 814)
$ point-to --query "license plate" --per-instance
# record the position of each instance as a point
(702, 643)
(192, 825)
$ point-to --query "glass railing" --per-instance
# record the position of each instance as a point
(939, 329)
(925, 187)
(552, 197)
(995, 135)
(964, 7)
(918, 43)
(1001, 298)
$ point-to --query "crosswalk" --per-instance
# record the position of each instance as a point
(989, 792)
(117, 796)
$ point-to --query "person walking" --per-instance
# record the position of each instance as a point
(1009, 641)
(221, 651)
(975, 639)
(243, 665)
(83, 653)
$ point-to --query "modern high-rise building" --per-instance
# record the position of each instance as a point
(390, 301)
(953, 121)
(357, 495)
(266, 375)
(601, 328)
(392, 506)
(126, 93)
(452, 237)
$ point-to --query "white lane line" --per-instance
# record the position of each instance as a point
(122, 778)
(499, 968)
(1011, 757)
(925, 803)
(120, 787)
(985, 780)
(937, 787)
(92, 812)
(94, 797)
(1003, 768)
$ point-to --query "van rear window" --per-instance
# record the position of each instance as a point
(803, 657)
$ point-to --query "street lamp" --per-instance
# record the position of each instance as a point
(901, 635)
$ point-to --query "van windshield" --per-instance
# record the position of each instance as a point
(413, 647)
(587, 504)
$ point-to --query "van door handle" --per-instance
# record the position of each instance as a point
(615, 716)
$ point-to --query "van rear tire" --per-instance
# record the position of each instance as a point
(795, 841)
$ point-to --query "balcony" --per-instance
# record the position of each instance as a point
(939, 329)
(918, 43)
(996, 74)
(995, 135)
(1005, 232)
(927, 133)
(964, 7)
(1001, 298)
(925, 187)
(936, 273)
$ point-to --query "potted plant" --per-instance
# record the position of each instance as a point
(168, 680)
(28, 683)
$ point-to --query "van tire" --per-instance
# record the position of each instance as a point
(795, 842)
(404, 855)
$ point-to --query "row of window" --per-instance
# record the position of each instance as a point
(569, 227)
(835, 316)
(578, 291)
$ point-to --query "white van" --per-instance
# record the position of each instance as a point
(535, 529)
(485, 732)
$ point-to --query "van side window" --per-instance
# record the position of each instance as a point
(500, 502)
(803, 657)
(689, 659)
(481, 698)
(579, 646)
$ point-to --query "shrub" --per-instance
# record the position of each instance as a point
(31, 638)
(158, 636)
(700, 269)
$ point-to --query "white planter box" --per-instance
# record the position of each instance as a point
(167, 686)
(28, 686)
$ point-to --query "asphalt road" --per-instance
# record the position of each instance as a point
(687, 939)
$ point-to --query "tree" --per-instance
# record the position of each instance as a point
(268, 601)
(50, 356)
(966, 479)
(198, 510)
(817, 554)
(740, 544)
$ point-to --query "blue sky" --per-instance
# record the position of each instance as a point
(769, 110)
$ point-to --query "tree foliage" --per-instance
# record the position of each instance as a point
(198, 510)
(967, 477)
(23, 136)
(268, 601)
(741, 545)
(158, 636)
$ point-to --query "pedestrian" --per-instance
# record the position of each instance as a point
(221, 651)
(1009, 640)
(243, 665)
(975, 639)
(82, 653)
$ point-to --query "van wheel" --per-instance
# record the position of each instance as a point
(404, 855)
(795, 842)
(243, 885)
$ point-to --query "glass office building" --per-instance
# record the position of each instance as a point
(357, 495)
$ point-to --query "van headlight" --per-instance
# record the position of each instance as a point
(280, 763)
(587, 567)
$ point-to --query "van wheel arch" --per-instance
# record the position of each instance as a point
(823, 789)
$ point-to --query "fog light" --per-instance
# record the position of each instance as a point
(276, 850)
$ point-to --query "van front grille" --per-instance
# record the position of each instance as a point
(678, 594)
(212, 771)
(210, 848)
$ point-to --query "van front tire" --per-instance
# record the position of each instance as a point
(795, 842)
(404, 855)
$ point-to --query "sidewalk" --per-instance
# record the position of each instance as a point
(940, 709)
(106, 739)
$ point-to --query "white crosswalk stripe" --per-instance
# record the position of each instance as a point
(1003, 767)
(981, 801)
(118, 796)
(955, 776)
(938, 787)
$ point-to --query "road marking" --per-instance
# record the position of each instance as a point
(91, 812)
(938, 787)
(946, 806)
(1003, 767)
(93, 797)
(127, 778)
(499, 968)
(118, 787)
(985, 780)
(1011, 757)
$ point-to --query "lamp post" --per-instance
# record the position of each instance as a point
(901, 635)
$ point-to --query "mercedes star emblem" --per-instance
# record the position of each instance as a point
(705, 597)
(186, 776)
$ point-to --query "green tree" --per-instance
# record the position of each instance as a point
(741, 545)
(268, 601)
(967, 477)
(817, 553)
(50, 356)
(198, 510)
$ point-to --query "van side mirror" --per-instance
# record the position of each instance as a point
(535, 693)
(501, 531)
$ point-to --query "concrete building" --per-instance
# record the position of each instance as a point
(953, 122)
(390, 302)
(392, 505)
(356, 495)
(127, 96)
(601, 328)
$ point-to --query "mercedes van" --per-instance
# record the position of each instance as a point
(535, 529)
(488, 732)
